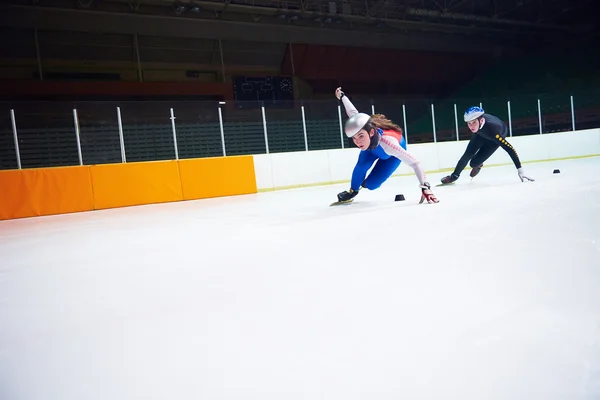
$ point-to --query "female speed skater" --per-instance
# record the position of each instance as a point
(380, 141)
(489, 134)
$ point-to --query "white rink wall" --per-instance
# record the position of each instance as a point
(284, 170)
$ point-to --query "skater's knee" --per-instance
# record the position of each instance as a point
(469, 154)
(372, 184)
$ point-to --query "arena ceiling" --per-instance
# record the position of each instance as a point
(435, 42)
(431, 25)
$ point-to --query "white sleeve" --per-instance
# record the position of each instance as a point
(390, 146)
(350, 109)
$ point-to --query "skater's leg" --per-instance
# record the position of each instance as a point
(481, 156)
(474, 145)
(382, 170)
(485, 152)
(365, 161)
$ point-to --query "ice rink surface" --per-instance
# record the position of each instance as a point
(494, 293)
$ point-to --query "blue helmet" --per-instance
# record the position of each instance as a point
(473, 113)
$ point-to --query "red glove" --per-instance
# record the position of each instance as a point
(427, 194)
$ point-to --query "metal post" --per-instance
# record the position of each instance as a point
(174, 134)
(404, 118)
(509, 119)
(341, 129)
(372, 109)
(14, 128)
(123, 158)
(572, 114)
(265, 128)
(77, 135)
(304, 128)
(38, 54)
(540, 115)
(433, 122)
(222, 131)
(292, 59)
(456, 122)
(137, 57)
(222, 62)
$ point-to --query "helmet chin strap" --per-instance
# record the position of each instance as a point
(480, 123)
(374, 140)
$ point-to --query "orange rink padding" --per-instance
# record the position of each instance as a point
(130, 184)
(215, 177)
(45, 191)
(61, 190)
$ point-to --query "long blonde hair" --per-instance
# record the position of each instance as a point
(382, 122)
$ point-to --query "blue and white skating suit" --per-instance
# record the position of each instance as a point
(390, 152)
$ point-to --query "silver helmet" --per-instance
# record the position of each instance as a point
(355, 123)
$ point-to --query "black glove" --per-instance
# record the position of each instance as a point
(347, 195)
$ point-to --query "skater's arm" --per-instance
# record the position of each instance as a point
(391, 147)
(513, 154)
(348, 106)
(350, 109)
(358, 176)
(365, 161)
(509, 149)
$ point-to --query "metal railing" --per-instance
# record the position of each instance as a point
(49, 134)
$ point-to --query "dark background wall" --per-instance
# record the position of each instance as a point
(424, 48)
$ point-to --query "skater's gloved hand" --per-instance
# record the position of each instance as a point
(523, 176)
(347, 194)
(427, 194)
(338, 93)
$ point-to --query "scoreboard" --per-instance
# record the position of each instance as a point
(270, 90)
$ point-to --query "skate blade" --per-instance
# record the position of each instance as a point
(445, 184)
(341, 203)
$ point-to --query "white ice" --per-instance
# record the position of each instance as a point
(494, 293)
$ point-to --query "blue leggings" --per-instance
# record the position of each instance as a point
(380, 173)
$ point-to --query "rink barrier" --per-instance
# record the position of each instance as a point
(131, 184)
(62, 190)
(326, 167)
(45, 191)
(411, 173)
(59, 190)
(203, 178)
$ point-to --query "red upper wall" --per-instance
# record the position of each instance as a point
(20, 89)
(359, 70)
(380, 67)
